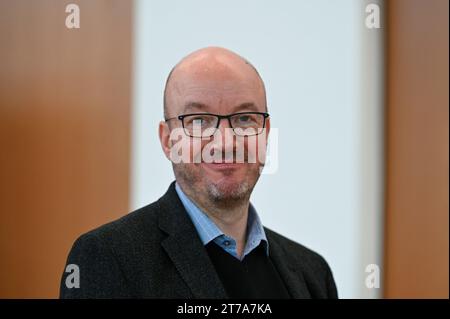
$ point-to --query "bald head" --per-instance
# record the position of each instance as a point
(211, 73)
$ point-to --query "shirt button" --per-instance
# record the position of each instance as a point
(226, 242)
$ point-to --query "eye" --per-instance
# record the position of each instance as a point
(244, 118)
(198, 120)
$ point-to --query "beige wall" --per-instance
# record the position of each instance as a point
(64, 132)
(417, 210)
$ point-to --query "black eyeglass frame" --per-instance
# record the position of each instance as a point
(220, 117)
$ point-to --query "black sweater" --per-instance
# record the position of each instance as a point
(253, 277)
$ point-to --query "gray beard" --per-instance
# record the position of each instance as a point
(215, 192)
(241, 192)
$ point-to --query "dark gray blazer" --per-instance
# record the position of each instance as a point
(155, 252)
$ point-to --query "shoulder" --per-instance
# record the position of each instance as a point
(130, 227)
(121, 241)
(313, 266)
(296, 250)
(104, 253)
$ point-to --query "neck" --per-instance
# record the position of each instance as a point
(230, 216)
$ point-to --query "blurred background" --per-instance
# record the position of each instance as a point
(361, 113)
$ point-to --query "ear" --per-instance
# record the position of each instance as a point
(164, 138)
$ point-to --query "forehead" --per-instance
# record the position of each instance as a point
(216, 86)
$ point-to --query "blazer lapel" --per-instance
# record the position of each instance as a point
(293, 278)
(186, 250)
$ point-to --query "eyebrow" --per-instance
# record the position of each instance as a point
(250, 106)
(195, 105)
(247, 106)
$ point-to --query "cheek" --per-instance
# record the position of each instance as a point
(189, 149)
(261, 152)
(250, 149)
(196, 147)
(255, 149)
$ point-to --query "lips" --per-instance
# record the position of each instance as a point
(223, 166)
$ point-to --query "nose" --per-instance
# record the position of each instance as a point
(223, 124)
(227, 138)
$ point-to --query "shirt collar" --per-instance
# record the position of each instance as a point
(208, 230)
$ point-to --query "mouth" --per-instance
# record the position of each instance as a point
(223, 166)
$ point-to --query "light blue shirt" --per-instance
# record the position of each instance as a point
(208, 230)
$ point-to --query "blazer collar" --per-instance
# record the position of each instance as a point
(185, 249)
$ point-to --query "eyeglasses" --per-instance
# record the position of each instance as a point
(206, 124)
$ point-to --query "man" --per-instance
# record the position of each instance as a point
(203, 238)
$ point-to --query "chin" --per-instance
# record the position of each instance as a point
(228, 190)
